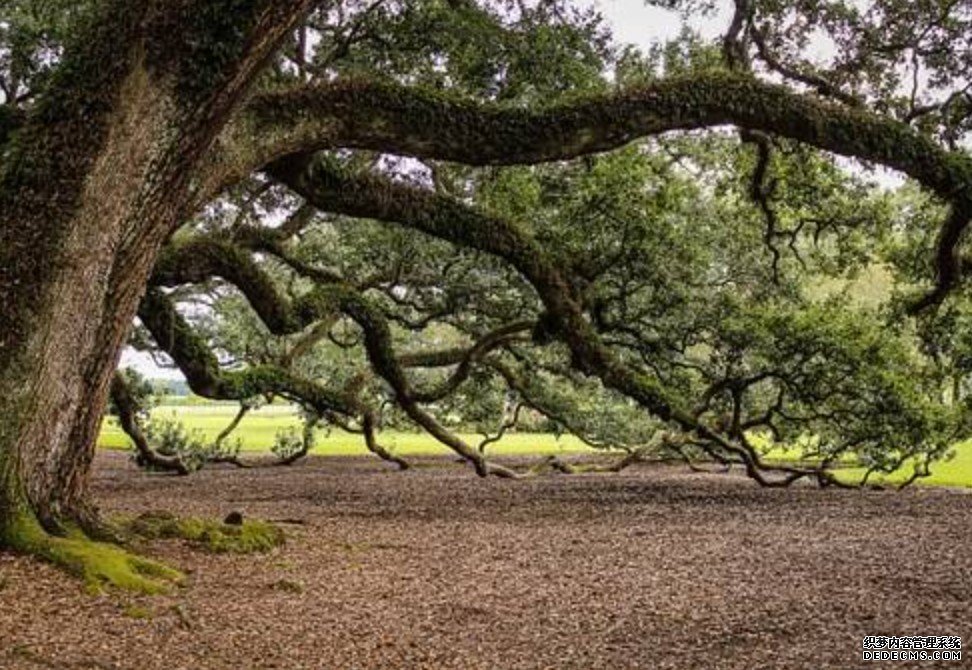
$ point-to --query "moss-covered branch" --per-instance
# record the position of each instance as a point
(198, 363)
(375, 197)
(389, 117)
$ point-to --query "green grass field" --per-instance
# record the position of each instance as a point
(954, 472)
(259, 427)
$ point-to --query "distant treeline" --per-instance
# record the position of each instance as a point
(170, 387)
(176, 392)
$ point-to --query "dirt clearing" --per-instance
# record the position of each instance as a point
(433, 568)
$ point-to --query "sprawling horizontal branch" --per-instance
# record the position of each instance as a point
(388, 117)
(196, 361)
(392, 118)
(202, 258)
(446, 218)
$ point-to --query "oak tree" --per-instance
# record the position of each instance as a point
(127, 129)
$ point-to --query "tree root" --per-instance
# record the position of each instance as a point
(98, 564)
(614, 467)
(246, 538)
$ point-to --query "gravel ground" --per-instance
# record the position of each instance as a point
(432, 568)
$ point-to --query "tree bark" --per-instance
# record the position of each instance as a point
(104, 169)
(76, 188)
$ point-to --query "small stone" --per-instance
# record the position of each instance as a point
(234, 519)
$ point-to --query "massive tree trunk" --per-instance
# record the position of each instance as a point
(105, 167)
(73, 191)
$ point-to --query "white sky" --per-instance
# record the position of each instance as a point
(637, 23)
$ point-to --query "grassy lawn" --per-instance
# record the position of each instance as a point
(954, 472)
(260, 426)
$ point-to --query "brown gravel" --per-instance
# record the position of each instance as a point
(432, 568)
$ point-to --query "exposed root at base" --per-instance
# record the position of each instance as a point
(245, 538)
(99, 564)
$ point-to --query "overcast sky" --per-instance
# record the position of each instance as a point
(637, 23)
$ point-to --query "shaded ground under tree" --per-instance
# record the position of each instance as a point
(654, 567)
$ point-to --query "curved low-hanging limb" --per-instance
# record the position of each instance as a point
(128, 409)
(202, 258)
(371, 196)
(369, 423)
(193, 357)
(211, 453)
(378, 345)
